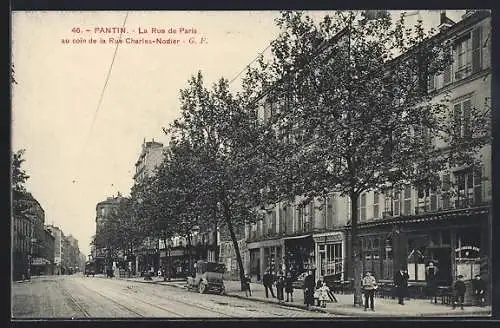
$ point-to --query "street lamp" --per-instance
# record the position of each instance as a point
(32, 243)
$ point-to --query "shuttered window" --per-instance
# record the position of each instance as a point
(461, 118)
(376, 207)
(478, 187)
(476, 49)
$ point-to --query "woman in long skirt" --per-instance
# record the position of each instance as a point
(309, 289)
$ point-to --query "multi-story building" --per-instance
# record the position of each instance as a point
(22, 234)
(451, 225)
(409, 227)
(58, 247)
(104, 210)
(152, 155)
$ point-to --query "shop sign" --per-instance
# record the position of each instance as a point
(467, 248)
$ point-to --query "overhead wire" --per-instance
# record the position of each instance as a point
(101, 97)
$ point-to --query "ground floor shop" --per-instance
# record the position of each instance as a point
(456, 243)
(264, 255)
(330, 255)
(299, 254)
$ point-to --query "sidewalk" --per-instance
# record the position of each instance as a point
(383, 307)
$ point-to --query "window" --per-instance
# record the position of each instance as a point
(462, 53)
(468, 183)
(371, 255)
(467, 54)
(387, 203)
(396, 202)
(376, 213)
(446, 191)
(330, 220)
(300, 219)
(362, 208)
(283, 218)
(431, 83)
(407, 201)
(333, 259)
(461, 118)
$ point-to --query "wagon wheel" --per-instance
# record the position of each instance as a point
(202, 288)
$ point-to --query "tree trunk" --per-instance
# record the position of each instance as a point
(167, 253)
(227, 218)
(355, 253)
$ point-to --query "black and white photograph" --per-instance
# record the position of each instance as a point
(314, 164)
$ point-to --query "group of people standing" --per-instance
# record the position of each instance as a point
(319, 293)
(283, 284)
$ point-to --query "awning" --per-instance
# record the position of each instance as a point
(297, 237)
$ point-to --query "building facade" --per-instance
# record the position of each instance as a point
(100, 255)
(409, 227)
(451, 225)
(22, 234)
(148, 255)
(58, 248)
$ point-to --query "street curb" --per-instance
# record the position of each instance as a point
(292, 305)
(336, 311)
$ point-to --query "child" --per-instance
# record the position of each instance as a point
(289, 287)
(459, 291)
(246, 283)
(319, 283)
(323, 294)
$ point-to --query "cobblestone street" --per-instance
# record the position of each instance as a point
(79, 297)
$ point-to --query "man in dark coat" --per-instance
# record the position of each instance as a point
(267, 280)
(459, 292)
(309, 285)
(431, 275)
(401, 283)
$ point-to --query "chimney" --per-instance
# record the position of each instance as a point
(468, 13)
(444, 21)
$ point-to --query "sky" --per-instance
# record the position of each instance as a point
(79, 152)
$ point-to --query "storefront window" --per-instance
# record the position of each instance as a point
(332, 261)
(467, 252)
(416, 259)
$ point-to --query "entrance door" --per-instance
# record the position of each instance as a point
(443, 256)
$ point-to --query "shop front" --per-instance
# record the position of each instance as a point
(175, 262)
(330, 255)
(265, 255)
(299, 254)
(456, 243)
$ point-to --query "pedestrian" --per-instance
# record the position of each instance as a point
(309, 289)
(246, 284)
(319, 283)
(289, 287)
(267, 281)
(431, 275)
(459, 292)
(369, 285)
(323, 295)
(280, 285)
(479, 289)
(401, 283)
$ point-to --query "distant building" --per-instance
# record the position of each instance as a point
(152, 155)
(58, 247)
(104, 210)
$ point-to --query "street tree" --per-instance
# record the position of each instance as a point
(20, 196)
(352, 112)
(217, 136)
